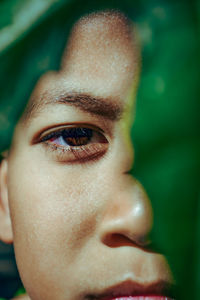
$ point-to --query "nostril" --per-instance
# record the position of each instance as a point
(119, 240)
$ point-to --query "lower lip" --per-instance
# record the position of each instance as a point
(140, 298)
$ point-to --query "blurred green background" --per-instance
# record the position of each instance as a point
(166, 129)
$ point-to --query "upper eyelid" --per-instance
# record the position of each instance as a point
(50, 135)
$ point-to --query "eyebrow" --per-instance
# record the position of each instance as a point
(108, 108)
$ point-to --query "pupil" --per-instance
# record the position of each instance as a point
(77, 136)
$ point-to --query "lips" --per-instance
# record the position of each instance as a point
(139, 298)
(130, 290)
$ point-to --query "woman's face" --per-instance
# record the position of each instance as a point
(80, 222)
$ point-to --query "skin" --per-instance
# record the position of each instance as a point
(80, 226)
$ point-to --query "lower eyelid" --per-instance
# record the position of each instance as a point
(79, 154)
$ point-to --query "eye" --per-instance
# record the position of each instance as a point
(71, 137)
(75, 144)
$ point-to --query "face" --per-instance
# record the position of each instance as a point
(80, 222)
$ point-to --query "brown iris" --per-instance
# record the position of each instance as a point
(77, 136)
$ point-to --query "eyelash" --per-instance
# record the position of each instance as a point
(92, 143)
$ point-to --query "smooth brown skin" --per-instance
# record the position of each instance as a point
(81, 226)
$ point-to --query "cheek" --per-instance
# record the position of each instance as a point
(54, 212)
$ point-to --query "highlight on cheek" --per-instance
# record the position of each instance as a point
(75, 144)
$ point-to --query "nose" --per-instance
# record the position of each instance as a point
(127, 219)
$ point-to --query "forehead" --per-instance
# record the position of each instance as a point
(100, 59)
(101, 45)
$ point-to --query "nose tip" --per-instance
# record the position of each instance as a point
(128, 218)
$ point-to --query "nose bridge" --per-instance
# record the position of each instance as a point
(128, 215)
